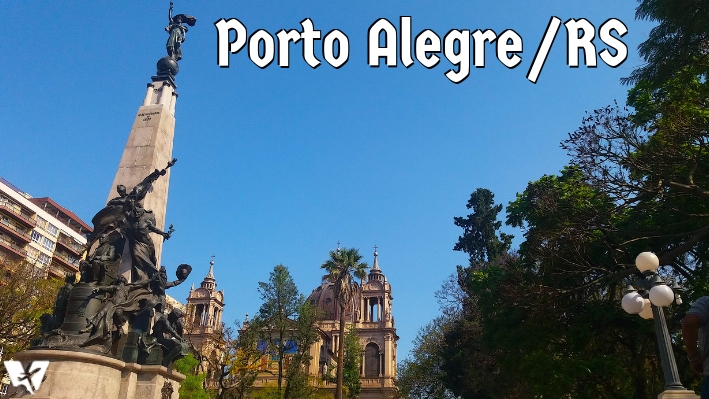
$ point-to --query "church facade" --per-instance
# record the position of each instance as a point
(371, 315)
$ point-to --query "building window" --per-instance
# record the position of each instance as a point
(32, 252)
(36, 237)
(52, 229)
(371, 360)
(42, 223)
(47, 243)
(199, 314)
(43, 259)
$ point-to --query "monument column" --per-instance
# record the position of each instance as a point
(149, 147)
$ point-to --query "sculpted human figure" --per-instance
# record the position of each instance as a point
(177, 33)
(168, 331)
(140, 190)
(113, 216)
(158, 284)
(141, 223)
(125, 299)
(104, 259)
(112, 312)
(109, 218)
(60, 304)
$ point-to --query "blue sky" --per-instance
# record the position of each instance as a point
(276, 165)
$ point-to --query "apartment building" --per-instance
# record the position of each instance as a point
(40, 231)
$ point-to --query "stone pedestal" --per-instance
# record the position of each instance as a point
(73, 375)
(678, 394)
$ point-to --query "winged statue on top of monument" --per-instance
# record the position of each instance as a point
(177, 33)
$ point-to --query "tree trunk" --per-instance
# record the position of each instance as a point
(281, 351)
(340, 354)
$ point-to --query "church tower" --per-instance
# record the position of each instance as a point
(377, 334)
(204, 309)
(203, 320)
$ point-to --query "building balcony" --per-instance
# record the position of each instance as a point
(57, 271)
(19, 233)
(373, 381)
(64, 261)
(13, 248)
(22, 218)
(70, 244)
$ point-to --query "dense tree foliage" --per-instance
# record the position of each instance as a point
(545, 320)
(25, 295)
(238, 366)
(353, 362)
(679, 41)
(421, 374)
(191, 387)
(299, 382)
(278, 320)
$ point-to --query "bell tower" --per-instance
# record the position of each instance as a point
(377, 334)
(204, 313)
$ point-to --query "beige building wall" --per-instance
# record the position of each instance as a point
(40, 231)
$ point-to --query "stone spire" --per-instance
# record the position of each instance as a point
(376, 263)
(210, 275)
(376, 273)
(209, 281)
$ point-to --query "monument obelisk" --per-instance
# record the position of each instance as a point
(149, 145)
(106, 338)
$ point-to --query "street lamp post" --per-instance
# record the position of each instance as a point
(651, 295)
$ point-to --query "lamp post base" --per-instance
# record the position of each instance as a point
(677, 394)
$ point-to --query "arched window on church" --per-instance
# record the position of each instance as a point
(198, 315)
(373, 309)
(371, 360)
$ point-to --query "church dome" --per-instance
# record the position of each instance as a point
(323, 299)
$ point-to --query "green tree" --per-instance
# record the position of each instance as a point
(677, 43)
(191, 387)
(481, 238)
(238, 366)
(275, 320)
(25, 295)
(420, 375)
(352, 363)
(343, 266)
(469, 368)
(298, 380)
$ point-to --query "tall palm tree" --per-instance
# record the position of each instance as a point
(342, 268)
